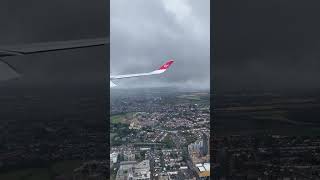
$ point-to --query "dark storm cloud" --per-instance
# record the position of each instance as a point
(144, 34)
(41, 21)
(266, 44)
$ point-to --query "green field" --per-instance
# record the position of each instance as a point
(195, 96)
(122, 118)
(116, 119)
(190, 97)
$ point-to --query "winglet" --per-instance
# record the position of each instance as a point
(166, 65)
(112, 84)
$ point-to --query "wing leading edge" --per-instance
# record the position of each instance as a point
(162, 69)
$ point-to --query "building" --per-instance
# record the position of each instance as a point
(131, 170)
(123, 171)
(140, 171)
(114, 157)
(205, 146)
(201, 146)
(203, 170)
(129, 156)
(195, 147)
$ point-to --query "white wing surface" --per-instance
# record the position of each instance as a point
(162, 69)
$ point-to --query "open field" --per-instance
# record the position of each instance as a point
(197, 97)
(122, 118)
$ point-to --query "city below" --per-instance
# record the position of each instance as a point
(160, 134)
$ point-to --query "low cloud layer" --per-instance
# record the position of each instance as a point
(144, 34)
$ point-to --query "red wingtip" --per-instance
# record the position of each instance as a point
(166, 65)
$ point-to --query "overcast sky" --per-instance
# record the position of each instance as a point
(145, 33)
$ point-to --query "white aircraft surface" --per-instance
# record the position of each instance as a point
(162, 69)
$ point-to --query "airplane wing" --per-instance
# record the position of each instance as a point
(162, 69)
(7, 71)
(15, 50)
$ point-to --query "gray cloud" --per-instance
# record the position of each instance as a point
(144, 34)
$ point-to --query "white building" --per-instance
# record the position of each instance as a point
(114, 157)
(130, 170)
